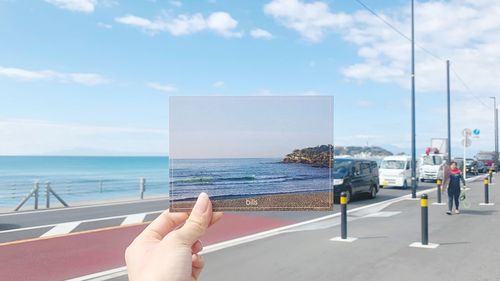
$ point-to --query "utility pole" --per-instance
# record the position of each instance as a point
(413, 131)
(495, 114)
(449, 109)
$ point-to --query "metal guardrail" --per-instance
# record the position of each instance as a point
(27, 191)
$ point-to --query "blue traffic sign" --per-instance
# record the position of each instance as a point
(476, 132)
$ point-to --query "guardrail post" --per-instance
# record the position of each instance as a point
(142, 186)
(36, 187)
(47, 195)
(28, 196)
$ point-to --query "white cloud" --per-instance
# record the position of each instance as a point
(223, 24)
(219, 22)
(219, 84)
(261, 34)
(85, 6)
(162, 87)
(468, 36)
(16, 138)
(88, 79)
(311, 20)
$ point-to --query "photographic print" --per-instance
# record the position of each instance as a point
(252, 153)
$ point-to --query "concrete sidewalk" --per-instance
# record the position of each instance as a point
(469, 247)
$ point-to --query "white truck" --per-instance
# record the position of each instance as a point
(433, 162)
(395, 171)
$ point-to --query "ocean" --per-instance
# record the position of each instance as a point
(81, 179)
(236, 178)
(87, 179)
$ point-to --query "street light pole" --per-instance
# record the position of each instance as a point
(449, 110)
(413, 132)
(495, 111)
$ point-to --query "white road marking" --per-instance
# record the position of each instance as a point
(62, 228)
(348, 239)
(82, 221)
(420, 245)
(135, 218)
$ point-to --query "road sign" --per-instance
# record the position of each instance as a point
(476, 132)
(466, 142)
(466, 132)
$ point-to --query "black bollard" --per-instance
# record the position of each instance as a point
(425, 219)
(343, 215)
(486, 196)
(439, 191)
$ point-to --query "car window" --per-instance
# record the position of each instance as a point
(365, 168)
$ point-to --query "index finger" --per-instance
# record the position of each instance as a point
(162, 225)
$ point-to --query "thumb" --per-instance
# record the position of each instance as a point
(198, 221)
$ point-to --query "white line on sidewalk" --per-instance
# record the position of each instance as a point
(82, 221)
(135, 218)
(62, 228)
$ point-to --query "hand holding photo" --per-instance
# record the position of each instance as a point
(252, 153)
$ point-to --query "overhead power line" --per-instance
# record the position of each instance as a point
(395, 29)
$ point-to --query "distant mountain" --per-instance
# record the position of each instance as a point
(319, 156)
(362, 151)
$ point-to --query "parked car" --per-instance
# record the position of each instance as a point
(474, 167)
(395, 171)
(355, 177)
(488, 158)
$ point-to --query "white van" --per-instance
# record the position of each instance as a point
(395, 171)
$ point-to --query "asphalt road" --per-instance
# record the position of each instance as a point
(469, 249)
(32, 224)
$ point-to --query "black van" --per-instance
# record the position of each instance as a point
(355, 177)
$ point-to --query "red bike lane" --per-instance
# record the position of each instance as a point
(78, 254)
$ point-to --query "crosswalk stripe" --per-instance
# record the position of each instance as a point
(62, 228)
(135, 218)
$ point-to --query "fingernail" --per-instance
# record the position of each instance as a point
(201, 205)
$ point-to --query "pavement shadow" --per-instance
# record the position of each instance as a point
(454, 243)
(478, 212)
(8, 226)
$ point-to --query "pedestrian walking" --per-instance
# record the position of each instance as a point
(454, 178)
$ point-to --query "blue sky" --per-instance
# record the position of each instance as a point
(228, 127)
(94, 76)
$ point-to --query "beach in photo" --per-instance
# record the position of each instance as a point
(240, 151)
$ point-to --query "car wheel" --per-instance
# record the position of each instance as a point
(373, 191)
(405, 185)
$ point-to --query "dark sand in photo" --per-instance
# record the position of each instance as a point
(310, 201)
